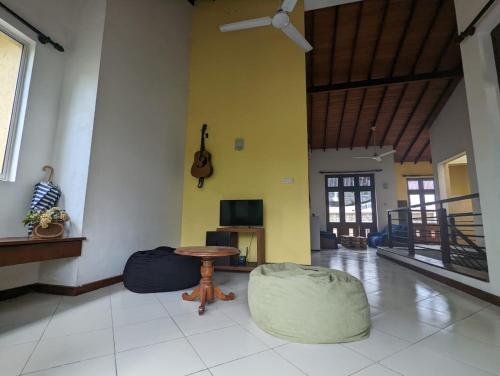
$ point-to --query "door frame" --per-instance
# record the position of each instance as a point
(357, 189)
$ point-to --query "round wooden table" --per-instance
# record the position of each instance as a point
(206, 291)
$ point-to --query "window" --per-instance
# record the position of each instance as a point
(14, 55)
(351, 206)
(420, 192)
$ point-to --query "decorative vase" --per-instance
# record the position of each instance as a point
(55, 230)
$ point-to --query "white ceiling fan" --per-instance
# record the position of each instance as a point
(280, 20)
(376, 157)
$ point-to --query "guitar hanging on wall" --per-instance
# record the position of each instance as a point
(202, 165)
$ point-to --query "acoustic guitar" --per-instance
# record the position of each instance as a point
(202, 165)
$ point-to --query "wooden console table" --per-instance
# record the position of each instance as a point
(15, 251)
(261, 248)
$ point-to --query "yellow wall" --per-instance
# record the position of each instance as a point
(459, 185)
(249, 84)
(10, 59)
(420, 168)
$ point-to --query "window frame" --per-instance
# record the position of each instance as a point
(8, 170)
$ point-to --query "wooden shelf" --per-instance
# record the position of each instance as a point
(15, 251)
(260, 235)
(236, 268)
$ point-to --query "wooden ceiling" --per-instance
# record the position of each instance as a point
(391, 64)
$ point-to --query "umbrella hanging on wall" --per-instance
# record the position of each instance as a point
(46, 194)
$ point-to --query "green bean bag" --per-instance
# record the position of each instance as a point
(308, 304)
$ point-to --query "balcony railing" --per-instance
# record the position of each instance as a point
(449, 232)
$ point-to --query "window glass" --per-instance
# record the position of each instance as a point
(333, 182)
(413, 185)
(350, 207)
(365, 181)
(429, 184)
(334, 206)
(366, 207)
(349, 181)
(11, 52)
(414, 200)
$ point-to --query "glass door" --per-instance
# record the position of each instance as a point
(421, 194)
(351, 208)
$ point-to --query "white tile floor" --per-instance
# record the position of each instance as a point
(420, 327)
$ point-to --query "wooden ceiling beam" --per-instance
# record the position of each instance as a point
(332, 68)
(436, 109)
(355, 45)
(401, 41)
(370, 70)
(414, 67)
(391, 81)
(422, 151)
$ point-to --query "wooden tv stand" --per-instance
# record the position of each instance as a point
(261, 248)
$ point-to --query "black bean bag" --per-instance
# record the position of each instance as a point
(160, 270)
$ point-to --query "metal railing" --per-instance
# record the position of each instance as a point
(449, 230)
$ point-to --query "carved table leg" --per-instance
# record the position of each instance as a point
(206, 291)
(220, 295)
(194, 295)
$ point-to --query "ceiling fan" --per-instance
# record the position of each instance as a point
(376, 157)
(280, 20)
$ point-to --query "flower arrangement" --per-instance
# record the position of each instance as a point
(45, 217)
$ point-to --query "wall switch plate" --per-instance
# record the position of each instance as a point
(239, 144)
(287, 181)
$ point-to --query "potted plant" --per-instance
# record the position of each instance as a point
(47, 224)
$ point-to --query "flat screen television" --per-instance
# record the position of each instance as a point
(241, 213)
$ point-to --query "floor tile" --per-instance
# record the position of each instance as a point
(267, 363)
(376, 370)
(132, 315)
(239, 313)
(20, 313)
(126, 298)
(418, 361)
(202, 373)
(79, 319)
(458, 304)
(224, 345)
(174, 358)
(428, 316)
(145, 333)
(465, 349)
(104, 366)
(174, 304)
(98, 298)
(265, 337)
(193, 323)
(19, 333)
(323, 360)
(397, 324)
(378, 346)
(483, 326)
(13, 358)
(52, 352)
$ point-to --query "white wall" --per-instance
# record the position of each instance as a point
(134, 191)
(453, 120)
(74, 131)
(54, 17)
(483, 97)
(341, 160)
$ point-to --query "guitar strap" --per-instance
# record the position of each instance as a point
(200, 182)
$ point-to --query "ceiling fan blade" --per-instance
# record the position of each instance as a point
(365, 158)
(247, 24)
(297, 37)
(387, 153)
(288, 5)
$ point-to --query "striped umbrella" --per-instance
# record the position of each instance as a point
(46, 194)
